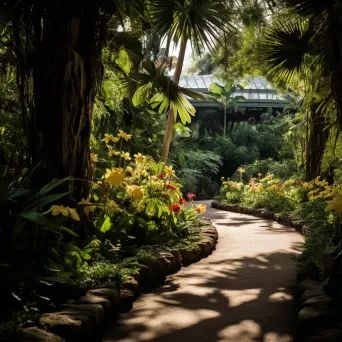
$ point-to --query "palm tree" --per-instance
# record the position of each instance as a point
(325, 16)
(224, 95)
(291, 54)
(200, 21)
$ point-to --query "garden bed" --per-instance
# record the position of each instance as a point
(85, 317)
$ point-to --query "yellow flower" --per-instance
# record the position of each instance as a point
(201, 208)
(139, 158)
(135, 191)
(112, 152)
(65, 211)
(110, 137)
(241, 170)
(275, 187)
(112, 208)
(336, 203)
(125, 155)
(88, 207)
(269, 177)
(114, 176)
(124, 135)
(169, 171)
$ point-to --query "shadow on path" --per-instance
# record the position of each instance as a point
(241, 293)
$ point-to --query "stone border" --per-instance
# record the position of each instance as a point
(85, 319)
(318, 313)
(264, 213)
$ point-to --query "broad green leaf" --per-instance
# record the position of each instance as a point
(69, 231)
(216, 89)
(124, 61)
(142, 94)
(106, 225)
(36, 217)
(48, 187)
(17, 193)
(49, 199)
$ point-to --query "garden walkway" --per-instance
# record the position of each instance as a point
(240, 293)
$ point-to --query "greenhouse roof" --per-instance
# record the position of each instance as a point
(257, 91)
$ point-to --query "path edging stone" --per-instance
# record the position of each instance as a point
(84, 319)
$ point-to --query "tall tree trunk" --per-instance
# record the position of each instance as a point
(171, 118)
(317, 136)
(224, 120)
(66, 67)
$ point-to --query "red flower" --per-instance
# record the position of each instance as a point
(190, 195)
(165, 196)
(171, 187)
(300, 182)
(175, 207)
(183, 201)
(161, 175)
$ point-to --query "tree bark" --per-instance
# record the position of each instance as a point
(224, 120)
(317, 136)
(65, 61)
(171, 118)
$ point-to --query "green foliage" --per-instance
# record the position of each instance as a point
(90, 276)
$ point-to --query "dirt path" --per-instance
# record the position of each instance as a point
(240, 293)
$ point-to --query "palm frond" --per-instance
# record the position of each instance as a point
(285, 46)
(201, 21)
(311, 8)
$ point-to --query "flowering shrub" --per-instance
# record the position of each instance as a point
(136, 199)
(278, 195)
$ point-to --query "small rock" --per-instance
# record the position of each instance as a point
(131, 284)
(312, 292)
(35, 334)
(94, 311)
(323, 302)
(178, 258)
(90, 299)
(190, 255)
(327, 336)
(64, 324)
(206, 245)
(168, 265)
(308, 313)
(158, 267)
(148, 278)
(127, 297)
(205, 221)
(307, 285)
(171, 258)
(108, 293)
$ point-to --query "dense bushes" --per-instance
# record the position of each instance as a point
(203, 161)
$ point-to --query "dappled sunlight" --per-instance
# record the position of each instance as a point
(242, 292)
(239, 297)
(275, 337)
(247, 331)
(280, 296)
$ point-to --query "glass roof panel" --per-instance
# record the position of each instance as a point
(256, 88)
